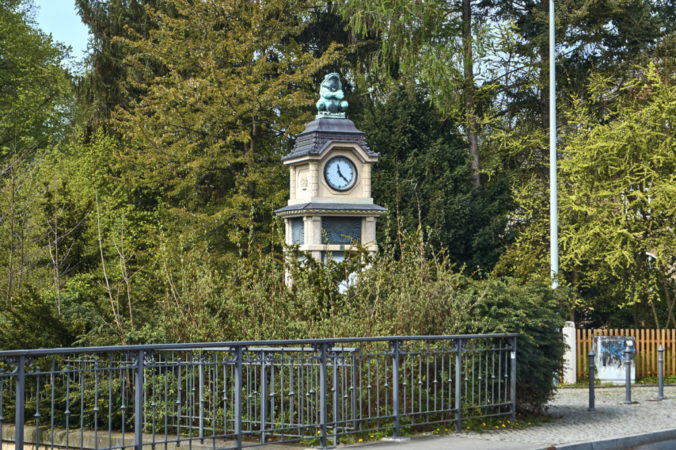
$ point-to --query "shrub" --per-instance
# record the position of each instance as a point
(533, 310)
(415, 292)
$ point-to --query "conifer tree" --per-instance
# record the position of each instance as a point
(205, 138)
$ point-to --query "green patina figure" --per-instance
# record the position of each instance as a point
(331, 103)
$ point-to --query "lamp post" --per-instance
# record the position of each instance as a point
(553, 202)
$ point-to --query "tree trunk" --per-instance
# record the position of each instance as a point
(12, 212)
(468, 69)
(669, 300)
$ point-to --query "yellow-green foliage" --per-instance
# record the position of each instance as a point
(617, 200)
(416, 293)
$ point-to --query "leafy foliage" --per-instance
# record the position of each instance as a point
(413, 292)
(206, 137)
(143, 212)
(35, 97)
(534, 311)
(424, 179)
(616, 202)
(109, 83)
(34, 88)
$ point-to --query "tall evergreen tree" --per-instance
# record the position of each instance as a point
(205, 139)
(110, 81)
(425, 179)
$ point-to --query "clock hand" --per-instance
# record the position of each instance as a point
(341, 173)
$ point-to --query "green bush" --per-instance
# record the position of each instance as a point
(533, 310)
(407, 290)
(415, 292)
(422, 295)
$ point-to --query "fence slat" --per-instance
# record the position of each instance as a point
(644, 366)
(646, 347)
(579, 358)
(665, 346)
(651, 351)
(641, 339)
(673, 352)
(644, 332)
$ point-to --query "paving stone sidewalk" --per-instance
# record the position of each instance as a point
(572, 423)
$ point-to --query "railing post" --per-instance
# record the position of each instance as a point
(660, 372)
(592, 376)
(512, 380)
(627, 368)
(238, 397)
(138, 401)
(323, 378)
(201, 393)
(334, 389)
(264, 396)
(458, 386)
(395, 386)
(20, 399)
(353, 391)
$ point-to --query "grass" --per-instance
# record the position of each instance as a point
(668, 379)
(504, 423)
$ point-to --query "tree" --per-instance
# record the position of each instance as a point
(608, 37)
(423, 42)
(34, 87)
(617, 202)
(485, 62)
(65, 224)
(109, 81)
(425, 179)
(35, 96)
(619, 194)
(203, 143)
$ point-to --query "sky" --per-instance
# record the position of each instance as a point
(59, 17)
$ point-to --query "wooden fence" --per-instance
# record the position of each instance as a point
(647, 342)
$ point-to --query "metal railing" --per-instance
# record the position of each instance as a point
(239, 394)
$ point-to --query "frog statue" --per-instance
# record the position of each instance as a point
(331, 94)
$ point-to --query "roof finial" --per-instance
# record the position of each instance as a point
(331, 103)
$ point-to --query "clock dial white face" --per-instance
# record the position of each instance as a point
(340, 173)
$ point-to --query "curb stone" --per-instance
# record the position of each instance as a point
(625, 442)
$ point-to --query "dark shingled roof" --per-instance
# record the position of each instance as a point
(332, 207)
(321, 132)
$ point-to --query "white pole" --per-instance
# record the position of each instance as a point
(553, 203)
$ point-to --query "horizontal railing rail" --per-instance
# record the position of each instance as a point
(209, 345)
(240, 394)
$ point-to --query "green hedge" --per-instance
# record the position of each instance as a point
(409, 291)
(404, 291)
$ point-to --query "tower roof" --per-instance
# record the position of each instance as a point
(367, 209)
(323, 131)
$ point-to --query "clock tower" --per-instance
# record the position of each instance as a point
(330, 205)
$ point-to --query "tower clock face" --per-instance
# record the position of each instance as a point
(340, 173)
